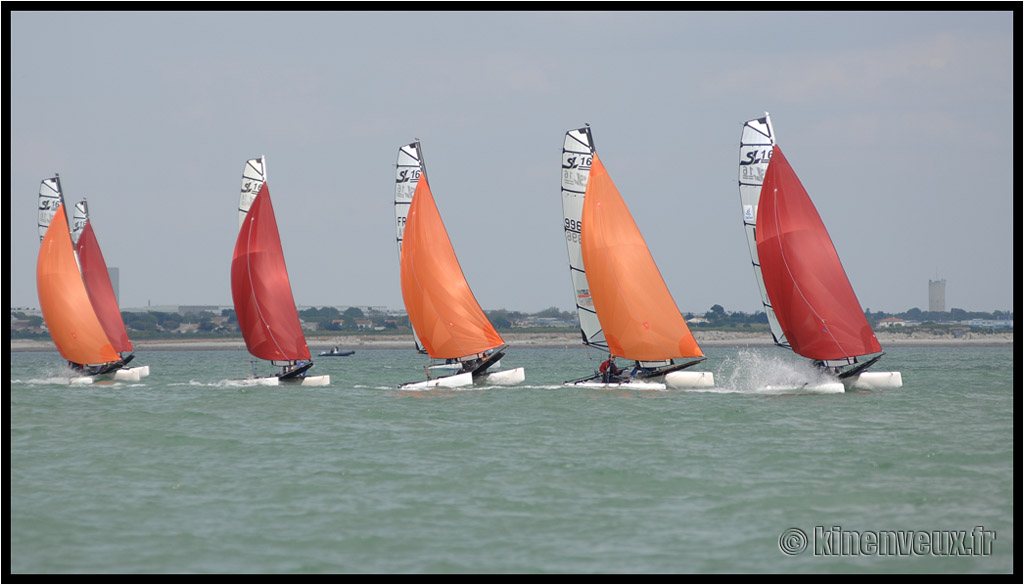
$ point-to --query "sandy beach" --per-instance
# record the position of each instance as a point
(553, 340)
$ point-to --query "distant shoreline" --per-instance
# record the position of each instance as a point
(540, 340)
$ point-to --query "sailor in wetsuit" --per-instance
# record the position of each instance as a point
(609, 371)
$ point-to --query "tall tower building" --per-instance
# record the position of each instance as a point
(937, 295)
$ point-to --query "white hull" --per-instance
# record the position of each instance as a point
(443, 382)
(121, 375)
(324, 380)
(127, 375)
(874, 381)
(631, 385)
(503, 378)
(862, 381)
(316, 380)
(683, 379)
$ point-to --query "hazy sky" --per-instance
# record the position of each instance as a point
(899, 124)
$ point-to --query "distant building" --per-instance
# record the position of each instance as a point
(892, 322)
(937, 295)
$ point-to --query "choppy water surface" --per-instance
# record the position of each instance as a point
(193, 471)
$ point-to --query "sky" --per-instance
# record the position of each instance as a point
(900, 125)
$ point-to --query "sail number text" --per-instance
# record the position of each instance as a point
(408, 175)
(574, 230)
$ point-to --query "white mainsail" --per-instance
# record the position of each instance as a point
(756, 143)
(408, 169)
(577, 154)
(79, 219)
(49, 200)
(253, 176)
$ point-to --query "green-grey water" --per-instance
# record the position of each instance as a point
(192, 471)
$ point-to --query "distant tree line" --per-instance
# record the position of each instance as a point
(954, 314)
(153, 324)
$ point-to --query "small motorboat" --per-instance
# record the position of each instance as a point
(337, 352)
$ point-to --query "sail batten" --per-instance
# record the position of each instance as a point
(442, 309)
(261, 290)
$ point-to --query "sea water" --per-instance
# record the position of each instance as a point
(195, 470)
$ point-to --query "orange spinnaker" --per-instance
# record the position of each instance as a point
(73, 325)
(639, 318)
(441, 307)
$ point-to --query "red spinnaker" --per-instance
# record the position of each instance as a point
(101, 292)
(808, 288)
(261, 290)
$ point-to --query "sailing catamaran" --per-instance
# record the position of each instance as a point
(97, 283)
(260, 287)
(810, 304)
(623, 304)
(446, 319)
(78, 302)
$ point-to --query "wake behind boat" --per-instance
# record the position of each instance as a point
(811, 307)
(623, 304)
(443, 312)
(260, 288)
(76, 297)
